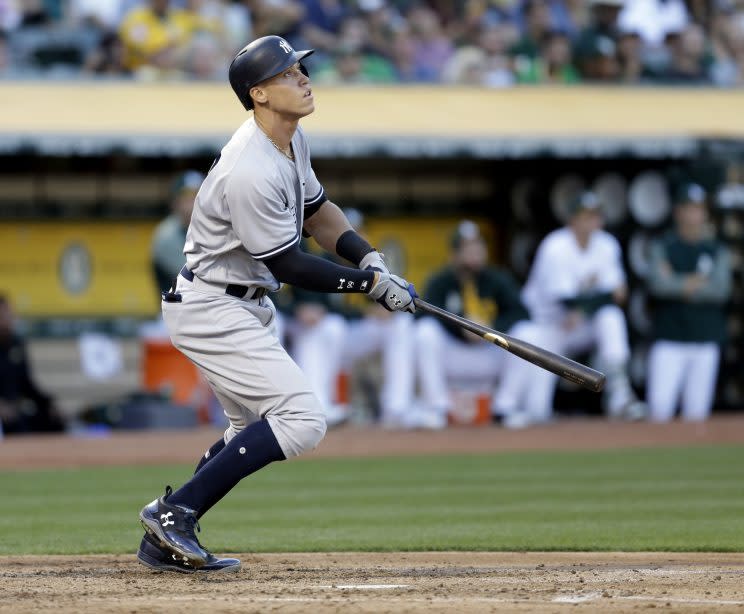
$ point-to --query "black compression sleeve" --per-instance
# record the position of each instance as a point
(306, 271)
(352, 247)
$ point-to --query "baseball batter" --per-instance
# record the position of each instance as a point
(257, 200)
(574, 290)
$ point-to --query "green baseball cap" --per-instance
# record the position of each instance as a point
(187, 181)
(586, 201)
(690, 193)
(466, 230)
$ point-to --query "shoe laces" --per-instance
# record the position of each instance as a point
(190, 519)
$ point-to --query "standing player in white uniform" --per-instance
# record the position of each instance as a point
(260, 195)
(574, 290)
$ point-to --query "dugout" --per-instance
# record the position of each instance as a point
(81, 188)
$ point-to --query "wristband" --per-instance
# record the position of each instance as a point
(352, 247)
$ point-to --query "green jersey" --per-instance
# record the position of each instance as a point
(490, 297)
(698, 316)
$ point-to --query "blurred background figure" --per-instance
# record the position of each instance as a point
(688, 60)
(468, 286)
(321, 24)
(727, 44)
(430, 46)
(154, 39)
(596, 45)
(314, 329)
(575, 289)
(553, 64)
(653, 20)
(496, 40)
(370, 329)
(281, 17)
(164, 40)
(349, 65)
(24, 408)
(170, 234)
(329, 334)
(691, 282)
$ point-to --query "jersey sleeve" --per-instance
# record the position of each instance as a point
(314, 192)
(261, 215)
(555, 276)
(613, 274)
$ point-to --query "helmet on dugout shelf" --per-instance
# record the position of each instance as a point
(259, 60)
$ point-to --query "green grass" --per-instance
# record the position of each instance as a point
(651, 499)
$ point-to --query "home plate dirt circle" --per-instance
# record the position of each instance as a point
(379, 582)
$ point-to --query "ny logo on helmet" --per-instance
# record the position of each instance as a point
(285, 45)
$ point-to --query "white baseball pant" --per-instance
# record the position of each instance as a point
(442, 357)
(234, 344)
(682, 374)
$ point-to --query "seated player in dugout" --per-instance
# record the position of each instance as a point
(574, 292)
(488, 295)
(329, 334)
(313, 328)
(24, 408)
(260, 195)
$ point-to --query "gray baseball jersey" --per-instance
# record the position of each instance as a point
(250, 207)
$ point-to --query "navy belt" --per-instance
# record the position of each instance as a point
(231, 289)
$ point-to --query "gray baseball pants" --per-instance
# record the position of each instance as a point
(234, 344)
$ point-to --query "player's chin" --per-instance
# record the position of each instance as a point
(308, 105)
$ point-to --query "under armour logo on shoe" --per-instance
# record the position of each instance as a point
(165, 519)
(285, 45)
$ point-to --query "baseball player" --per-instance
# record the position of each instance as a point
(489, 296)
(257, 200)
(170, 234)
(690, 280)
(574, 290)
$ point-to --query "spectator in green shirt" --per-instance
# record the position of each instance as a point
(554, 64)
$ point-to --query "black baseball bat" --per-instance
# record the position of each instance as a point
(555, 363)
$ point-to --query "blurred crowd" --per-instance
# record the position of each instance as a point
(491, 43)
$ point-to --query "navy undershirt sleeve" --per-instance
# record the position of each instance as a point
(304, 270)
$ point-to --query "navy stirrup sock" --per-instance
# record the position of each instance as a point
(216, 448)
(250, 450)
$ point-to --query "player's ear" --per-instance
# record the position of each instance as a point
(258, 94)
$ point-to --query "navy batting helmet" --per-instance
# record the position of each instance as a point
(257, 61)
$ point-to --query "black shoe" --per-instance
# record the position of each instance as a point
(151, 554)
(173, 527)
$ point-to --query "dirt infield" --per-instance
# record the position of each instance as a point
(397, 582)
(377, 582)
(153, 447)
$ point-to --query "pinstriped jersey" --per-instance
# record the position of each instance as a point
(251, 206)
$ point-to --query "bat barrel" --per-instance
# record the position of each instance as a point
(555, 363)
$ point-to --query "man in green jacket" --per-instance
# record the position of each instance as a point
(691, 282)
(468, 286)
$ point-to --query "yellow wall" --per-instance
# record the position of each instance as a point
(103, 268)
(78, 269)
(415, 247)
(212, 109)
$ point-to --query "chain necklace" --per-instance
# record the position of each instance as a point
(287, 154)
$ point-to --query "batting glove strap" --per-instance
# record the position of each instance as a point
(394, 293)
(374, 261)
